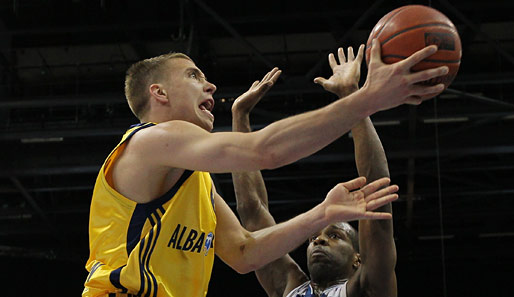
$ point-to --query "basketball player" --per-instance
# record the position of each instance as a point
(336, 267)
(156, 219)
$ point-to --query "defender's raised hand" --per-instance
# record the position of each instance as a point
(246, 102)
(345, 74)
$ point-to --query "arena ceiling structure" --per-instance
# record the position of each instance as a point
(62, 110)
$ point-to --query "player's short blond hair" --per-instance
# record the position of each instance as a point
(140, 76)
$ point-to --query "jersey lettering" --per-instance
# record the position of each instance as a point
(180, 238)
(190, 243)
(199, 244)
(173, 238)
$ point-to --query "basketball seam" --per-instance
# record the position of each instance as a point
(415, 27)
(385, 23)
(425, 60)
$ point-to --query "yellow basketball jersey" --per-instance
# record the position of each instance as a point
(160, 248)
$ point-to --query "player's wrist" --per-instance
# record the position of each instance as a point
(241, 123)
(361, 103)
(240, 115)
(347, 90)
(321, 217)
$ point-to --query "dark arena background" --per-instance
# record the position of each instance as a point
(62, 110)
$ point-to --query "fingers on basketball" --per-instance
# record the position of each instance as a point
(418, 56)
(428, 74)
(418, 37)
(375, 56)
(421, 93)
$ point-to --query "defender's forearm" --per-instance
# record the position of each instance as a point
(249, 187)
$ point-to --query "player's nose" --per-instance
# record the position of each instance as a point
(320, 240)
(209, 87)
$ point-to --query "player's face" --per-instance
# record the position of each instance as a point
(190, 93)
(330, 253)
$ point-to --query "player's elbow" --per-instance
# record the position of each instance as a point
(244, 269)
(247, 206)
(270, 155)
(271, 158)
(246, 259)
(244, 266)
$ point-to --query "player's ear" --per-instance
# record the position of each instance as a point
(158, 93)
(356, 261)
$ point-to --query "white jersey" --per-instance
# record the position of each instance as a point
(305, 290)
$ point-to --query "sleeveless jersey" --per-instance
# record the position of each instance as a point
(160, 248)
(305, 290)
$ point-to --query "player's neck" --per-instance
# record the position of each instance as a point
(319, 287)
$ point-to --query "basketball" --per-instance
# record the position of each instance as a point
(410, 28)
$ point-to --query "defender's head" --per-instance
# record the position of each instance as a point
(333, 253)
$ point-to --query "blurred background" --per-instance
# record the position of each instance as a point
(62, 110)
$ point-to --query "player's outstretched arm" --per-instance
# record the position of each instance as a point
(249, 187)
(376, 275)
(181, 144)
(247, 251)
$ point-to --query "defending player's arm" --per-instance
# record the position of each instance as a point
(179, 144)
(376, 276)
(284, 273)
(377, 248)
(246, 251)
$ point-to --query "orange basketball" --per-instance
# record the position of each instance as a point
(410, 28)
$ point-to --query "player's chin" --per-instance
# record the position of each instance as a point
(209, 125)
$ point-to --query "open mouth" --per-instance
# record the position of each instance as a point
(207, 106)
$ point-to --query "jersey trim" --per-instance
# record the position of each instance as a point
(144, 210)
(114, 277)
(152, 211)
(93, 269)
(140, 126)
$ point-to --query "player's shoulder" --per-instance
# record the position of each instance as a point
(164, 143)
(158, 132)
(170, 128)
(301, 290)
(353, 285)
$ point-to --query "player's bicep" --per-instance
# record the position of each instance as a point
(230, 235)
(180, 144)
(366, 282)
(378, 284)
